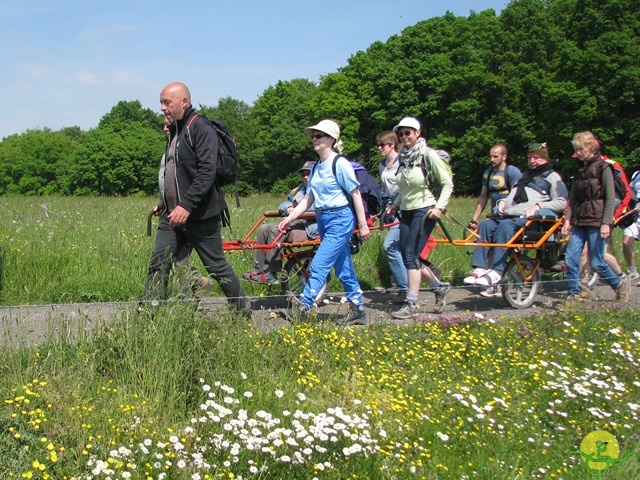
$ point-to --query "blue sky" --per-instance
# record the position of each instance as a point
(68, 62)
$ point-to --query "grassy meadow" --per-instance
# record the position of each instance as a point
(94, 249)
(182, 395)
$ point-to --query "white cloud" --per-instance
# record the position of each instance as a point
(86, 78)
(37, 72)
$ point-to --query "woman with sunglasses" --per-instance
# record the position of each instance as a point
(416, 202)
(332, 195)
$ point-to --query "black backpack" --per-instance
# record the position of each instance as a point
(228, 159)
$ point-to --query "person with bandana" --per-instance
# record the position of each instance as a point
(420, 208)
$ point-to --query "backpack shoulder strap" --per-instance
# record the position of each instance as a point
(188, 134)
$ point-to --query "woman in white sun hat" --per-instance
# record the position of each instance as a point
(332, 195)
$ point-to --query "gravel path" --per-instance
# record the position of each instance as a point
(35, 324)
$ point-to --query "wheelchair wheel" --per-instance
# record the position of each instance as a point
(517, 292)
(297, 273)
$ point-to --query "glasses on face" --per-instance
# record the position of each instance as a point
(319, 135)
(405, 133)
(382, 145)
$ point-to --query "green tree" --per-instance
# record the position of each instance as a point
(35, 162)
(282, 113)
(237, 116)
(111, 162)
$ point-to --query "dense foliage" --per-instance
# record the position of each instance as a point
(539, 71)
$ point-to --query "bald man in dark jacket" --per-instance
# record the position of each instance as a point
(193, 202)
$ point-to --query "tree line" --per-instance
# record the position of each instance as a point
(539, 71)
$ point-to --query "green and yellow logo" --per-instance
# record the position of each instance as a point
(601, 451)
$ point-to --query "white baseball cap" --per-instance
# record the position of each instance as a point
(408, 122)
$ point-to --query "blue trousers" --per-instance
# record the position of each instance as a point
(391, 247)
(591, 237)
(495, 231)
(335, 228)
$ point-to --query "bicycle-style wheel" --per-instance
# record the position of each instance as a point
(517, 292)
(297, 273)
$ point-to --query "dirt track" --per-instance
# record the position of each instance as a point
(34, 324)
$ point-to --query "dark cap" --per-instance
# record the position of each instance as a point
(308, 165)
(539, 149)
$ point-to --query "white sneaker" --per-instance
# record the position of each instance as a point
(592, 281)
(634, 276)
(491, 277)
(475, 274)
(491, 292)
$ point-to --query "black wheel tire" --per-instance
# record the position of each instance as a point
(518, 293)
(297, 273)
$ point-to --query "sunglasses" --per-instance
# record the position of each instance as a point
(319, 135)
(381, 145)
(406, 133)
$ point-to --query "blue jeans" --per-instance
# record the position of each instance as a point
(335, 228)
(412, 241)
(391, 247)
(495, 231)
(591, 237)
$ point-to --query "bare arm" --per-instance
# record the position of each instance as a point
(482, 202)
(302, 207)
(361, 219)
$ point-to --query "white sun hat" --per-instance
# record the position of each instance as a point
(329, 127)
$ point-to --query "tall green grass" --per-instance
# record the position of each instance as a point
(85, 249)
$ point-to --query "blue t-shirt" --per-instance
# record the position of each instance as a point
(329, 191)
(497, 185)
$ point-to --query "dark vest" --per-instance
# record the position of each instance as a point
(588, 194)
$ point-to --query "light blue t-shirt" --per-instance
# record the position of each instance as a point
(329, 191)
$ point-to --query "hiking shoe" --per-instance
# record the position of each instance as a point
(202, 284)
(622, 292)
(258, 276)
(441, 296)
(491, 277)
(633, 276)
(475, 274)
(585, 292)
(356, 316)
(408, 310)
(491, 292)
(559, 267)
(297, 313)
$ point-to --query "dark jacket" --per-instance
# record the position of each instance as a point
(196, 160)
(592, 198)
